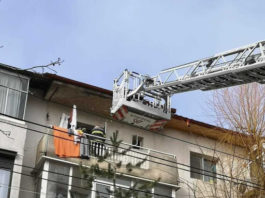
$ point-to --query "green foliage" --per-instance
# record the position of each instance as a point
(138, 190)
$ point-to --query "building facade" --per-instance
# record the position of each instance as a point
(39, 158)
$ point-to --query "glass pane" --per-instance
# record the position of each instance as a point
(102, 191)
(142, 190)
(38, 185)
(4, 182)
(79, 188)
(6, 162)
(140, 141)
(162, 191)
(13, 103)
(24, 83)
(196, 166)
(134, 140)
(22, 105)
(14, 82)
(210, 171)
(137, 142)
(58, 183)
(4, 79)
(125, 181)
(3, 92)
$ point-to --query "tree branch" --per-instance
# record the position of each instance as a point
(48, 66)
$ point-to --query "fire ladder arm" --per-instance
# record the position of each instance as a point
(234, 67)
(150, 97)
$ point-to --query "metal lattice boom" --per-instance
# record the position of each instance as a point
(142, 99)
(233, 67)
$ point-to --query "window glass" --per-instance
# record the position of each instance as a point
(57, 183)
(24, 84)
(202, 167)
(21, 109)
(141, 191)
(3, 92)
(210, 170)
(79, 187)
(102, 191)
(123, 181)
(162, 191)
(38, 185)
(4, 182)
(11, 81)
(13, 94)
(88, 127)
(195, 166)
(137, 142)
(13, 103)
(6, 167)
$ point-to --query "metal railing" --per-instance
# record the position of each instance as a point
(93, 146)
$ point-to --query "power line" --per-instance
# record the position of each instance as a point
(167, 136)
(215, 150)
(58, 182)
(4, 162)
(222, 176)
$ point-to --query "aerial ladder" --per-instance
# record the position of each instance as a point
(144, 101)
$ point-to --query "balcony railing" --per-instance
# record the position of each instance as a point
(154, 163)
(125, 152)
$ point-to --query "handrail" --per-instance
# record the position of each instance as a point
(140, 147)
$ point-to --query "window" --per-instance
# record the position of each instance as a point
(6, 167)
(137, 142)
(88, 127)
(162, 191)
(79, 188)
(102, 190)
(104, 186)
(202, 167)
(13, 94)
(57, 183)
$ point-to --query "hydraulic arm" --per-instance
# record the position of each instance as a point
(145, 101)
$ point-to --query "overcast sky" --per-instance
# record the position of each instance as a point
(98, 39)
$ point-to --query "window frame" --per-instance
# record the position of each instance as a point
(10, 155)
(135, 146)
(45, 171)
(204, 158)
(19, 76)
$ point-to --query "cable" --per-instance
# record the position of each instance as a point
(58, 182)
(82, 178)
(185, 169)
(178, 139)
(21, 189)
(222, 175)
(44, 126)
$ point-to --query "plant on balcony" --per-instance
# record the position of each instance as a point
(89, 174)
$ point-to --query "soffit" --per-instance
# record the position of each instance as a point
(85, 99)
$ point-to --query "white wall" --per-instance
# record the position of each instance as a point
(38, 109)
(15, 142)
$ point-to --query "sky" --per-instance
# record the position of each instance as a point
(98, 39)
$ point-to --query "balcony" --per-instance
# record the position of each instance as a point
(156, 165)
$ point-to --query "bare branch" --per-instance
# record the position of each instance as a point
(48, 66)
